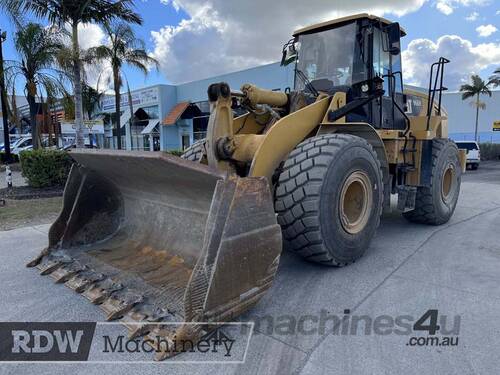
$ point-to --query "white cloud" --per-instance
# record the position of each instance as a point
(472, 17)
(171, 2)
(444, 7)
(486, 30)
(466, 59)
(97, 75)
(223, 36)
(90, 35)
(448, 6)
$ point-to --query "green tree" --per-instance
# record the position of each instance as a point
(91, 100)
(91, 103)
(37, 48)
(123, 48)
(74, 13)
(475, 90)
(68, 104)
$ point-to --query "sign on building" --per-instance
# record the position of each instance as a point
(496, 126)
(90, 127)
(141, 98)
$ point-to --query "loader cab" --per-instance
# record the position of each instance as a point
(343, 55)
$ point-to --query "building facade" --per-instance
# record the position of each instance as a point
(168, 117)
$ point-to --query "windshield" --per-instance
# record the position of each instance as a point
(327, 55)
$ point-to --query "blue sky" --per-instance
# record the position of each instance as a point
(213, 39)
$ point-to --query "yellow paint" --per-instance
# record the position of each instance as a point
(284, 136)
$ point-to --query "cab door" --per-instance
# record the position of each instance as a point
(384, 114)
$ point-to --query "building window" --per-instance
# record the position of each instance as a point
(185, 141)
(153, 112)
(204, 106)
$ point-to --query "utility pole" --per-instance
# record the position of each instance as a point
(8, 157)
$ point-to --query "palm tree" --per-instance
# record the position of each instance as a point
(38, 48)
(74, 13)
(478, 88)
(91, 102)
(123, 48)
(14, 113)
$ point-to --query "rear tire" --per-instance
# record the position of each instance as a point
(195, 151)
(436, 203)
(329, 198)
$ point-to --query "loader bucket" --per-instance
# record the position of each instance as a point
(152, 238)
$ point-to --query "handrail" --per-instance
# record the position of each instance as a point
(437, 68)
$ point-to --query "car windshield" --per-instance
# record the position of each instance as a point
(327, 55)
(469, 146)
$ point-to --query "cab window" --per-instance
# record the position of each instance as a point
(381, 58)
(385, 63)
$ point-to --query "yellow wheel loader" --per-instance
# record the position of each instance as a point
(152, 238)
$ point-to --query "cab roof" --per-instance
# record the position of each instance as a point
(337, 21)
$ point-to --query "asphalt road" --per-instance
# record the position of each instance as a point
(409, 269)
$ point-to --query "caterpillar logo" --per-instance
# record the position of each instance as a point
(45, 341)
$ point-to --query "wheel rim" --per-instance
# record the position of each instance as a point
(355, 202)
(447, 182)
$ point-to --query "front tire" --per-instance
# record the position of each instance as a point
(329, 198)
(435, 204)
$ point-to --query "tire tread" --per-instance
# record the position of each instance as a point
(297, 195)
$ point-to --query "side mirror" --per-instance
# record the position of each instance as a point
(393, 35)
(289, 53)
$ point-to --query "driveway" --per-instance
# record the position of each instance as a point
(408, 270)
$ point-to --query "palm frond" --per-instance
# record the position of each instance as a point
(99, 53)
(88, 11)
(477, 82)
(14, 11)
(494, 80)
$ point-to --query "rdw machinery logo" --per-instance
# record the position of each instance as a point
(45, 341)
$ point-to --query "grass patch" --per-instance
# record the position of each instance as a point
(20, 213)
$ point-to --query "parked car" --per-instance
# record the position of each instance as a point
(473, 153)
(23, 144)
(13, 139)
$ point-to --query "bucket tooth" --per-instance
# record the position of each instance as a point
(63, 274)
(135, 322)
(81, 282)
(36, 261)
(167, 340)
(116, 307)
(141, 321)
(98, 293)
(49, 267)
(78, 283)
(95, 295)
(160, 339)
